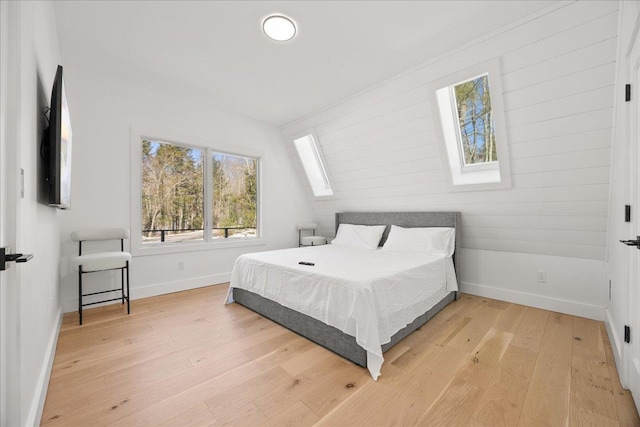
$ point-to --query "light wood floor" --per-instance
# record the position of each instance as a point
(185, 359)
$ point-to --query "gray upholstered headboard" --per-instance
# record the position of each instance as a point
(403, 219)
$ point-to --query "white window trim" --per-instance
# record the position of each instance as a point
(324, 165)
(140, 249)
(483, 176)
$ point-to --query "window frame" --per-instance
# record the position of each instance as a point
(458, 175)
(320, 157)
(138, 248)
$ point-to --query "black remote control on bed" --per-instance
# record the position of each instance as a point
(306, 263)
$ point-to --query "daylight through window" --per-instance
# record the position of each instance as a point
(235, 196)
(475, 119)
(177, 187)
(470, 113)
(311, 159)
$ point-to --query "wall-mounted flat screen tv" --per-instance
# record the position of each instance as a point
(57, 147)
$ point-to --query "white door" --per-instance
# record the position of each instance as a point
(9, 292)
(633, 135)
(3, 294)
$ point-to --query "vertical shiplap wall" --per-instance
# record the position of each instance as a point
(558, 80)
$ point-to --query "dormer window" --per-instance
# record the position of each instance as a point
(313, 165)
(468, 110)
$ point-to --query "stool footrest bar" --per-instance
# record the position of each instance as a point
(102, 292)
(106, 300)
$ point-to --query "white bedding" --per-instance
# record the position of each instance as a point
(368, 294)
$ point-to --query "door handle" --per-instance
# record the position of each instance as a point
(6, 257)
(635, 243)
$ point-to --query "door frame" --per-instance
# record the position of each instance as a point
(4, 10)
(631, 352)
(11, 411)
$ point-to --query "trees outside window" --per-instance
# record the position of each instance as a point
(176, 188)
(477, 134)
(235, 195)
(468, 115)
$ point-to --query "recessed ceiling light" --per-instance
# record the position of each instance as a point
(279, 28)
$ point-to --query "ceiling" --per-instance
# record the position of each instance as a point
(215, 52)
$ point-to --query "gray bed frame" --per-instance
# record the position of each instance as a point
(330, 337)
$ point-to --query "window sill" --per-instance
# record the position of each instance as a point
(323, 198)
(160, 249)
(480, 186)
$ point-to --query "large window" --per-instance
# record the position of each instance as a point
(235, 196)
(172, 192)
(468, 109)
(191, 194)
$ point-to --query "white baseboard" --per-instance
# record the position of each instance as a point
(179, 285)
(40, 395)
(616, 346)
(538, 301)
(71, 303)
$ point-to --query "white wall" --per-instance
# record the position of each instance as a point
(103, 110)
(510, 276)
(557, 77)
(36, 308)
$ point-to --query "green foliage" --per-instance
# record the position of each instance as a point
(173, 188)
(234, 191)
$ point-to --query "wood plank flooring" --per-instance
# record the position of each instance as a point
(185, 359)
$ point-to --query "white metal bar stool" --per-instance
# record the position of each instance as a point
(312, 240)
(101, 261)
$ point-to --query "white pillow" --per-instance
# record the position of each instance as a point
(427, 240)
(362, 236)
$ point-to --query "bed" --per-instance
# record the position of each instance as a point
(357, 303)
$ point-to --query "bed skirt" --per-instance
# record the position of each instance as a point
(323, 334)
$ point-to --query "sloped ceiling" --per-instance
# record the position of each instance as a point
(558, 74)
(215, 52)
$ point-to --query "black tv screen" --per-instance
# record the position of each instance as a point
(58, 147)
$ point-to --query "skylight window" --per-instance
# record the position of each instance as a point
(477, 135)
(471, 118)
(311, 159)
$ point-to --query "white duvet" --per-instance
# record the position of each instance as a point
(368, 294)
